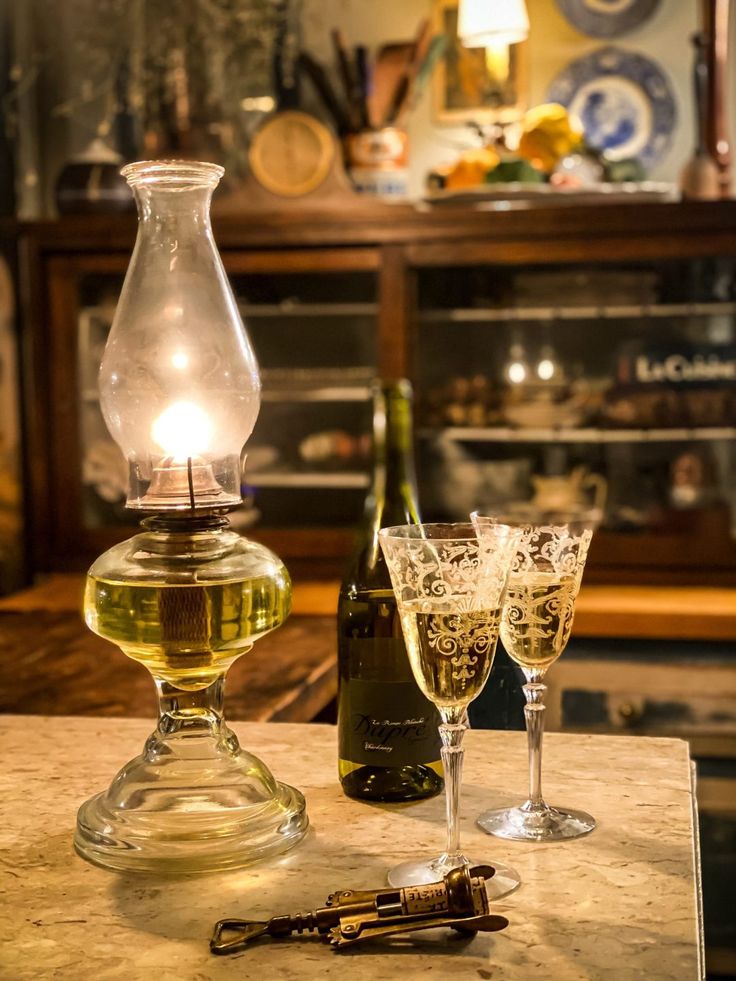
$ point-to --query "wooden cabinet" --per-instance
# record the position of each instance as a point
(448, 297)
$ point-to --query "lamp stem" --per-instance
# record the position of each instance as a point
(190, 713)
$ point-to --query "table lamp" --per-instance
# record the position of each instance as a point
(493, 25)
(489, 23)
(180, 393)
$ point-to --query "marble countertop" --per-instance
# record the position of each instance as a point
(622, 903)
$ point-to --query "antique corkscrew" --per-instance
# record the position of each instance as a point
(459, 901)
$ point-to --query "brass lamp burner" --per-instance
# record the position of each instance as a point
(458, 901)
(184, 484)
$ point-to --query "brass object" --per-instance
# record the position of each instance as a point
(630, 713)
(459, 901)
(175, 481)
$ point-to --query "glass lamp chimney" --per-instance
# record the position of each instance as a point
(179, 382)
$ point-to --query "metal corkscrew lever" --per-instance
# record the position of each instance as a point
(459, 901)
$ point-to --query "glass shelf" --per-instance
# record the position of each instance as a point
(341, 393)
(349, 384)
(345, 479)
(346, 393)
(552, 313)
(296, 309)
(496, 434)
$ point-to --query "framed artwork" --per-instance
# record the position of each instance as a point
(475, 85)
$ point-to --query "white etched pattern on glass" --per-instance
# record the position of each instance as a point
(537, 617)
(470, 574)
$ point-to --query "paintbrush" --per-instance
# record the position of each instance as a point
(362, 75)
(308, 66)
(435, 52)
(388, 69)
(349, 80)
(400, 94)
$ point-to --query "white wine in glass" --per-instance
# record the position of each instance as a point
(450, 651)
(533, 599)
(536, 622)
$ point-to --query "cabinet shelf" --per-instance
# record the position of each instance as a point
(329, 393)
(287, 308)
(295, 309)
(497, 434)
(344, 480)
(552, 313)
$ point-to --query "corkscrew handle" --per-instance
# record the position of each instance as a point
(230, 936)
(348, 934)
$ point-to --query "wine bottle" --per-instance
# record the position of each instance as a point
(389, 747)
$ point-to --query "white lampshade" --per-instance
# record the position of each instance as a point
(489, 23)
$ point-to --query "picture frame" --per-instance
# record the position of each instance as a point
(464, 89)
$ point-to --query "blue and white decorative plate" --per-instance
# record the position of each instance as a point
(607, 18)
(624, 101)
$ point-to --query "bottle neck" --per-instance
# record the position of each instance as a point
(392, 499)
(394, 487)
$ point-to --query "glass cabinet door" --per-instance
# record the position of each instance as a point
(308, 459)
(608, 386)
(315, 337)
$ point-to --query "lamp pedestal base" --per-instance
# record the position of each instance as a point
(193, 801)
(186, 598)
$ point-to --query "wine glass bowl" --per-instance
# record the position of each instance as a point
(449, 587)
(536, 622)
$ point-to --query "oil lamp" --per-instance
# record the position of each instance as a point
(180, 393)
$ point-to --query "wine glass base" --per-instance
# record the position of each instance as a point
(536, 823)
(210, 810)
(419, 873)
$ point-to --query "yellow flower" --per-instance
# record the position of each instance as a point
(548, 135)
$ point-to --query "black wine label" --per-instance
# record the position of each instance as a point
(385, 723)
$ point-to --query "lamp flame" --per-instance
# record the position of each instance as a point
(182, 430)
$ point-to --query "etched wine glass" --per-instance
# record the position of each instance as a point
(449, 588)
(536, 622)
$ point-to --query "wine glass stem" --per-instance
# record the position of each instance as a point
(534, 709)
(451, 734)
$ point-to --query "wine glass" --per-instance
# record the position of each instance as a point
(449, 588)
(535, 627)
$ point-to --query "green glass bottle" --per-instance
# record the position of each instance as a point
(389, 746)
